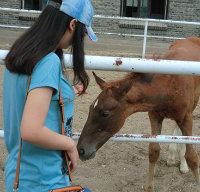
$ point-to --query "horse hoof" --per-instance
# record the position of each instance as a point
(148, 188)
(184, 167)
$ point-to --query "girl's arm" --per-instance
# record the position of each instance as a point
(34, 131)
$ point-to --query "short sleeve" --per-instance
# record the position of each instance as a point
(47, 73)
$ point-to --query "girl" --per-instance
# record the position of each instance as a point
(36, 120)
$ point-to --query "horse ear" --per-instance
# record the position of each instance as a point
(99, 81)
(125, 87)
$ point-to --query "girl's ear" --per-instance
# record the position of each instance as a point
(72, 25)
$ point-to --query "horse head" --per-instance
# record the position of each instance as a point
(106, 117)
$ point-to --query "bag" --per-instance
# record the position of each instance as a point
(64, 189)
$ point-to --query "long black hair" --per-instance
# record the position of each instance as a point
(42, 38)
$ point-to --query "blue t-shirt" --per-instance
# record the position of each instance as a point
(41, 170)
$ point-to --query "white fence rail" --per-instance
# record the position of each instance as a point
(144, 138)
(146, 23)
(136, 65)
(1, 134)
(108, 63)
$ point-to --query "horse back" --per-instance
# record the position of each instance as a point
(186, 50)
(182, 90)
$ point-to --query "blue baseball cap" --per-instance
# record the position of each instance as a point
(81, 10)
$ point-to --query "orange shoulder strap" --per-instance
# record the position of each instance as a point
(20, 146)
(61, 103)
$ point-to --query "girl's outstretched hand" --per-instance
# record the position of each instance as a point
(78, 89)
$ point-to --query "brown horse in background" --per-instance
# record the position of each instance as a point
(162, 96)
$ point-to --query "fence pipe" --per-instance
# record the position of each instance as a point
(102, 33)
(1, 134)
(14, 26)
(144, 19)
(136, 35)
(145, 39)
(108, 63)
(143, 138)
(150, 138)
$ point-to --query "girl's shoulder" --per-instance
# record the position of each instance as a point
(51, 55)
(47, 72)
(49, 60)
(48, 64)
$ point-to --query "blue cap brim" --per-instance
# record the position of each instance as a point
(91, 34)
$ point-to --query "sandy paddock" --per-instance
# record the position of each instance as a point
(118, 166)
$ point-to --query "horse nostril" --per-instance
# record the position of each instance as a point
(81, 151)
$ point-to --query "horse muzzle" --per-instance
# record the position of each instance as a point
(84, 155)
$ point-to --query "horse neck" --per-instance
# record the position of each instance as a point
(143, 97)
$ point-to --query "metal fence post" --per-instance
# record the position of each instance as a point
(145, 39)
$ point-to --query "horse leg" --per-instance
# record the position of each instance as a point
(183, 163)
(191, 155)
(180, 148)
(154, 150)
(171, 160)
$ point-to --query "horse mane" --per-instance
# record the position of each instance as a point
(133, 76)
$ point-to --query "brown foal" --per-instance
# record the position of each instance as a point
(162, 96)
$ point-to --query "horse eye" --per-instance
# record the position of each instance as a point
(105, 114)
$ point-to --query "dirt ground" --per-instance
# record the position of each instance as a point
(118, 166)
